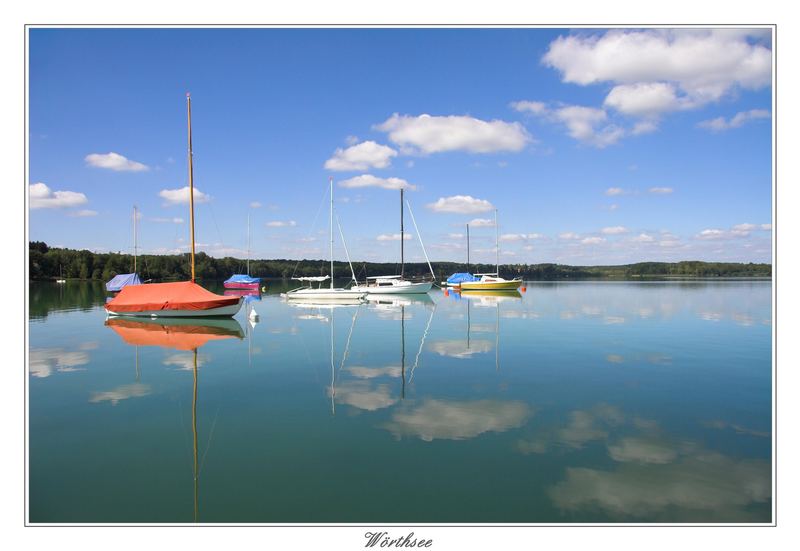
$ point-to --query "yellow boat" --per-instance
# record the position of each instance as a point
(491, 282)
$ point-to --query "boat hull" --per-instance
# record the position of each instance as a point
(406, 289)
(244, 286)
(220, 311)
(491, 285)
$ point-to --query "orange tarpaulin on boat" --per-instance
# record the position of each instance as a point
(183, 295)
(180, 337)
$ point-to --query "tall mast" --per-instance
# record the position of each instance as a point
(467, 247)
(248, 243)
(191, 178)
(402, 259)
(331, 230)
(496, 244)
(134, 239)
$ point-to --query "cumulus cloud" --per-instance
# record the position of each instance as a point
(114, 161)
(614, 191)
(393, 237)
(513, 237)
(436, 134)
(643, 238)
(368, 180)
(122, 392)
(42, 197)
(712, 233)
(534, 107)
(701, 64)
(180, 196)
(661, 190)
(461, 204)
(592, 240)
(362, 156)
(569, 236)
(721, 123)
(645, 99)
(614, 230)
(362, 395)
(42, 362)
(588, 125)
(174, 220)
(461, 348)
(481, 223)
(281, 223)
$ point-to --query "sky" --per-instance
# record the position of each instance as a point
(593, 146)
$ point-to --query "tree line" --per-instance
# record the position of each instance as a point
(51, 263)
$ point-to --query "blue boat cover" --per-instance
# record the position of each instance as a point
(461, 278)
(242, 278)
(121, 280)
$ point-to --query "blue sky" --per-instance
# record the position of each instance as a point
(595, 146)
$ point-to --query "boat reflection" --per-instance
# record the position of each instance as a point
(179, 334)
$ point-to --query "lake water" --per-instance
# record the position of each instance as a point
(572, 402)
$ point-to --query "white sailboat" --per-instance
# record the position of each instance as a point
(398, 284)
(324, 294)
(492, 281)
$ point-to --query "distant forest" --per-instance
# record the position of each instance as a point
(51, 263)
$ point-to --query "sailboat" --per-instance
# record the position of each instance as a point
(459, 277)
(179, 299)
(61, 277)
(492, 281)
(320, 293)
(398, 284)
(244, 281)
(121, 280)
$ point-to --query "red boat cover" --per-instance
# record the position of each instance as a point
(183, 295)
(179, 337)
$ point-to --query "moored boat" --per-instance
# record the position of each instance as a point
(179, 299)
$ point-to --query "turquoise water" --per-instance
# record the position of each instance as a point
(571, 402)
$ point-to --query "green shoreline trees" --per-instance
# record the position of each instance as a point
(49, 263)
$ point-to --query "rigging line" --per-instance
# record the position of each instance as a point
(208, 444)
(341, 233)
(411, 212)
(219, 233)
(421, 343)
(313, 225)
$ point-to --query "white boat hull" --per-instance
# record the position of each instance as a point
(227, 311)
(402, 288)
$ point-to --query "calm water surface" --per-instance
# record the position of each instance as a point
(574, 402)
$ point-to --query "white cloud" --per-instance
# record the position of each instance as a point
(42, 197)
(281, 223)
(255, 205)
(720, 123)
(592, 240)
(175, 220)
(712, 234)
(614, 191)
(461, 204)
(766, 227)
(587, 124)
(180, 196)
(535, 236)
(643, 238)
(744, 227)
(122, 392)
(644, 99)
(513, 237)
(393, 237)
(481, 223)
(435, 134)
(363, 156)
(114, 161)
(702, 64)
(368, 180)
(455, 235)
(614, 230)
(535, 107)
(83, 213)
(661, 190)
(569, 235)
